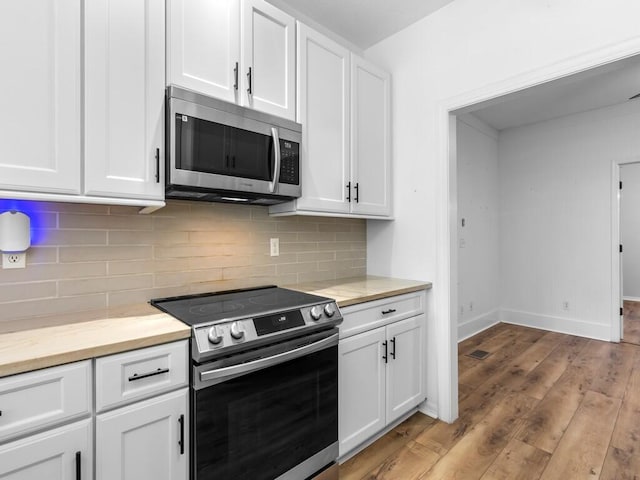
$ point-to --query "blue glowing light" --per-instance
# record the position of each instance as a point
(35, 211)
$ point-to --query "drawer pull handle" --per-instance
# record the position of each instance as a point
(159, 371)
(387, 312)
(181, 441)
(78, 465)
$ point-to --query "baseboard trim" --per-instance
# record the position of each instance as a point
(429, 407)
(357, 449)
(570, 326)
(477, 324)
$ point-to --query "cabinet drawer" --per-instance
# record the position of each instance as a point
(43, 398)
(368, 315)
(131, 376)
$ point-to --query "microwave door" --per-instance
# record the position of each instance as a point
(251, 155)
(202, 145)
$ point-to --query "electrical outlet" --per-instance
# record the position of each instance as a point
(275, 247)
(565, 305)
(14, 260)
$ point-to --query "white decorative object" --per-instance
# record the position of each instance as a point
(15, 231)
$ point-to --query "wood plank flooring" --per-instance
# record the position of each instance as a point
(542, 405)
(631, 312)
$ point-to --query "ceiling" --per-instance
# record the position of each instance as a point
(596, 88)
(364, 22)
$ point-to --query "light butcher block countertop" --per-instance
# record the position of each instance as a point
(46, 346)
(45, 342)
(351, 291)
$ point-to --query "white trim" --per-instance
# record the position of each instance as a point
(569, 326)
(617, 320)
(357, 449)
(631, 299)
(429, 408)
(474, 122)
(446, 201)
(477, 324)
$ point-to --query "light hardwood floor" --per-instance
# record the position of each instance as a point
(543, 405)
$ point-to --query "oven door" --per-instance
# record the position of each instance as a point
(273, 416)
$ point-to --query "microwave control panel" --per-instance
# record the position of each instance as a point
(289, 162)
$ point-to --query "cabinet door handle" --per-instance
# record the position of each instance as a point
(385, 356)
(159, 371)
(78, 466)
(349, 192)
(357, 192)
(249, 90)
(181, 441)
(387, 312)
(393, 352)
(235, 77)
(157, 165)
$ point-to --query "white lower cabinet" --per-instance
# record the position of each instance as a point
(381, 371)
(60, 454)
(141, 418)
(145, 441)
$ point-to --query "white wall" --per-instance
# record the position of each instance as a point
(461, 48)
(478, 240)
(630, 229)
(555, 194)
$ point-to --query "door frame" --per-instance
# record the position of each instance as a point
(446, 295)
(617, 327)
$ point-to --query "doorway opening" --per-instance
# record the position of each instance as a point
(628, 213)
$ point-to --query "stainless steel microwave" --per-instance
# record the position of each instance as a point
(218, 151)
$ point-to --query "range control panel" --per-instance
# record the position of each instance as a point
(224, 337)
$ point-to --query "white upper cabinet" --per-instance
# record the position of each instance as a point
(241, 51)
(124, 98)
(343, 105)
(40, 103)
(323, 111)
(203, 46)
(370, 138)
(268, 59)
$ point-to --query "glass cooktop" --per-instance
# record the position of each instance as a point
(233, 304)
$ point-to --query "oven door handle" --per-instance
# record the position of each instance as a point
(236, 370)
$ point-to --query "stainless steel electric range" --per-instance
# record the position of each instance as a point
(264, 384)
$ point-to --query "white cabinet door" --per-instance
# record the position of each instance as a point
(268, 59)
(124, 98)
(40, 399)
(203, 47)
(323, 111)
(370, 138)
(142, 441)
(405, 372)
(40, 101)
(361, 387)
(53, 455)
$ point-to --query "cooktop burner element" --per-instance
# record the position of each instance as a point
(226, 322)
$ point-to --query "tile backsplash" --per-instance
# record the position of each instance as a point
(87, 257)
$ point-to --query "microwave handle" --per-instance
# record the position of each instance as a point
(276, 165)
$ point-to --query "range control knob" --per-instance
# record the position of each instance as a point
(316, 312)
(214, 336)
(236, 331)
(329, 310)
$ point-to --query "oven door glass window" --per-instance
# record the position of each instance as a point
(209, 147)
(262, 424)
